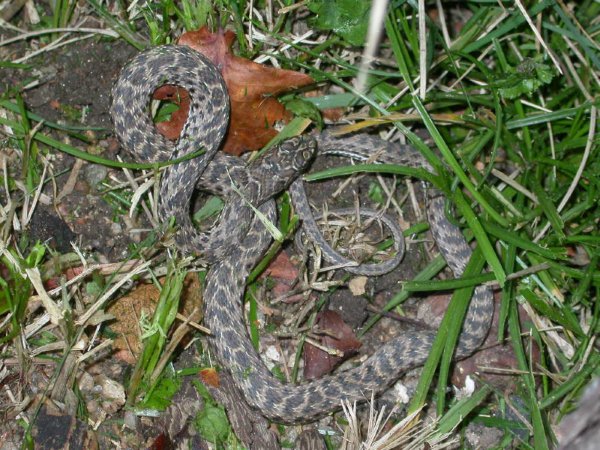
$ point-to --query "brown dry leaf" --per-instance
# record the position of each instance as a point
(318, 362)
(172, 128)
(68, 274)
(252, 89)
(283, 272)
(210, 377)
(282, 267)
(127, 312)
(128, 309)
(161, 442)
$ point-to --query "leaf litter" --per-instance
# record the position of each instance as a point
(252, 87)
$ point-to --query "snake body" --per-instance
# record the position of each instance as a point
(233, 259)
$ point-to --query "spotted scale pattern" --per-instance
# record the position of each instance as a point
(234, 257)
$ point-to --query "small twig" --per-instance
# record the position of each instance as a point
(11, 9)
(96, 306)
(53, 46)
(28, 35)
(27, 213)
(518, 413)
(520, 274)
(398, 318)
(191, 323)
(104, 344)
(328, 350)
(538, 35)
(69, 186)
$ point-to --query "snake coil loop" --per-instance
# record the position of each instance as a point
(226, 280)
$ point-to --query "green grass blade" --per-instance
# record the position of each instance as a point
(460, 301)
(521, 242)
(431, 270)
(547, 117)
(123, 29)
(73, 151)
(539, 432)
(574, 383)
(550, 211)
(453, 163)
(461, 410)
(373, 168)
(485, 246)
(445, 339)
(507, 26)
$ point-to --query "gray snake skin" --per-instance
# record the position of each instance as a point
(240, 241)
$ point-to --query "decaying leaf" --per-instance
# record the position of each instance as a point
(284, 273)
(252, 89)
(338, 336)
(172, 127)
(210, 377)
(128, 310)
(281, 267)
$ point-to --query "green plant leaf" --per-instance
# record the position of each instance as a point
(211, 421)
(162, 394)
(303, 108)
(347, 18)
(525, 79)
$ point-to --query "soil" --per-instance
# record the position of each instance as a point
(74, 88)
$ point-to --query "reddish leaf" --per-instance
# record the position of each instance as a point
(171, 128)
(283, 272)
(161, 442)
(210, 377)
(67, 274)
(281, 267)
(251, 86)
(339, 336)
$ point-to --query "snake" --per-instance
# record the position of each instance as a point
(240, 240)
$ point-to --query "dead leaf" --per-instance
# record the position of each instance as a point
(127, 312)
(339, 336)
(252, 89)
(281, 267)
(128, 309)
(283, 273)
(67, 275)
(210, 377)
(179, 96)
(161, 442)
(578, 256)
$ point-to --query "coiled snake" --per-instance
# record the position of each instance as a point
(238, 243)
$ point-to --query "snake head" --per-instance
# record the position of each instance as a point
(297, 153)
(283, 163)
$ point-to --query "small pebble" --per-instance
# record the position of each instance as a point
(92, 407)
(116, 229)
(95, 173)
(130, 420)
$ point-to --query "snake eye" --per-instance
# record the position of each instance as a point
(307, 154)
